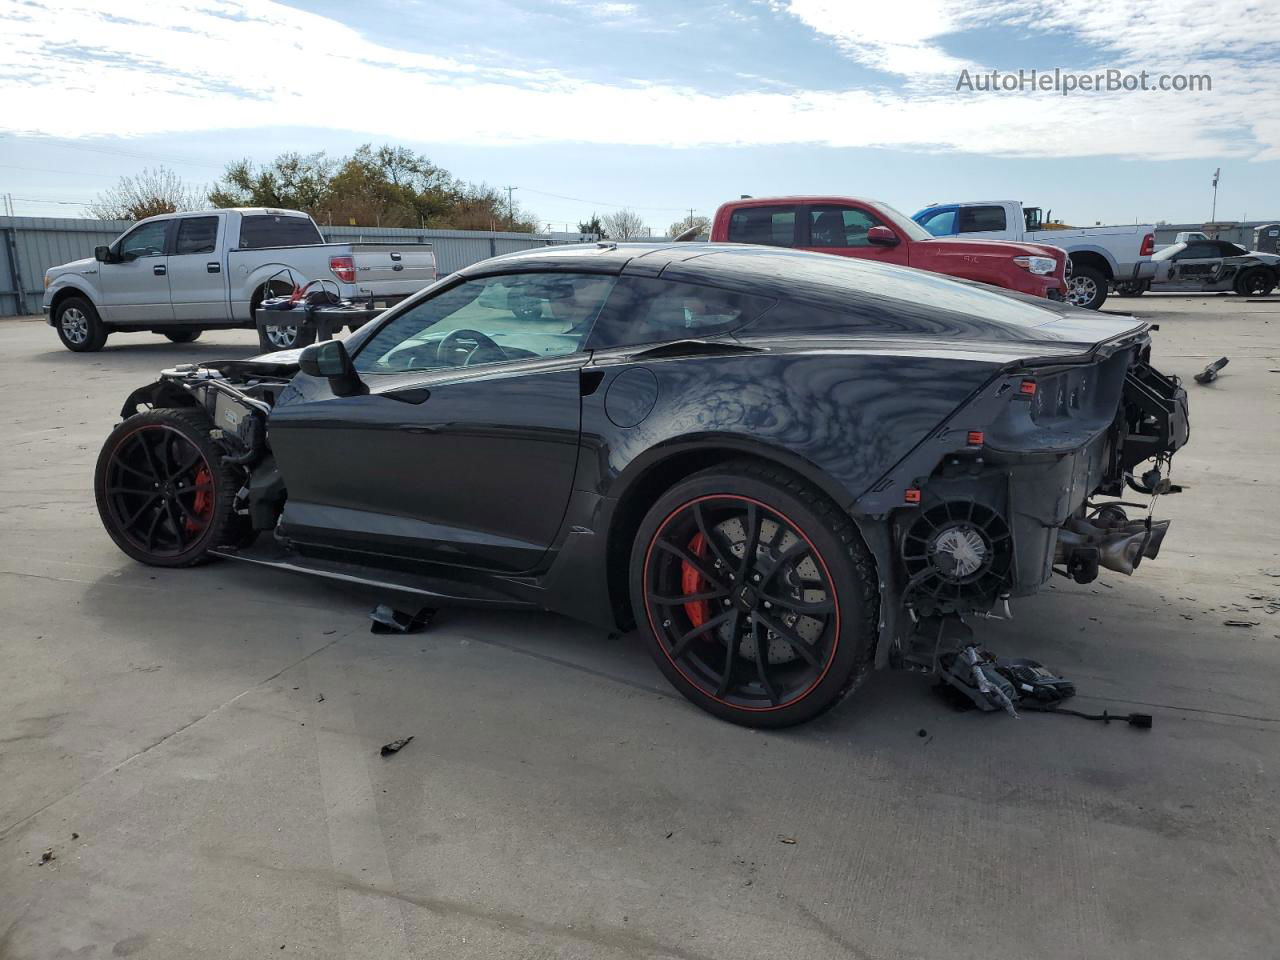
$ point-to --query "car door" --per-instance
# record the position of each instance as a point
(197, 285)
(135, 285)
(463, 451)
(842, 229)
(1195, 267)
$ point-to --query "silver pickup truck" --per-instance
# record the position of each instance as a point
(183, 273)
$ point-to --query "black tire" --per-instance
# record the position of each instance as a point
(157, 510)
(1256, 282)
(184, 336)
(836, 630)
(79, 327)
(1132, 288)
(1087, 288)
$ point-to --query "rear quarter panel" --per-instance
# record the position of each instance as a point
(841, 419)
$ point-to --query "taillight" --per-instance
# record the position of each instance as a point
(344, 268)
(1148, 245)
(1027, 388)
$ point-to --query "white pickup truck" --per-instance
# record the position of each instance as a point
(183, 273)
(1098, 255)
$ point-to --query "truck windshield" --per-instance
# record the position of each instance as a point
(903, 223)
(272, 230)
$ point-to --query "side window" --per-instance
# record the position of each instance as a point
(940, 223)
(489, 320)
(840, 226)
(979, 219)
(196, 235)
(772, 226)
(1200, 250)
(274, 230)
(144, 241)
(652, 310)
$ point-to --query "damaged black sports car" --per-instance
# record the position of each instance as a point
(785, 468)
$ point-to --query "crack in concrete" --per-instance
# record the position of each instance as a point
(115, 768)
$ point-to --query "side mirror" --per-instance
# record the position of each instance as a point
(331, 360)
(102, 254)
(882, 236)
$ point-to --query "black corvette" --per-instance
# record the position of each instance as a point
(784, 468)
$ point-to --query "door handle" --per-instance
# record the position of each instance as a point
(213, 267)
(158, 269)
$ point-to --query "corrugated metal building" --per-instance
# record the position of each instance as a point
(33, 244)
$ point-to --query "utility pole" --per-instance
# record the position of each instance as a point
(691, 217)
(1213, 217)
(511, 216)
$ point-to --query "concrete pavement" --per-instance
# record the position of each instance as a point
(199, 748)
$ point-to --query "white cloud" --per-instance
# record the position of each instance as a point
(135, 68)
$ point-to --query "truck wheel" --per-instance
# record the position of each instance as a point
(756, 595)
(1087, 288)
(163, 492)
(79, 326)
(1258, 282)
(285, 336)
(184, 336)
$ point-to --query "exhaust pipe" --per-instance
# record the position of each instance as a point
(1122, 552)
(1120, 549)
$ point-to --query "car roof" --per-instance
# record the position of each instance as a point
(780, 273)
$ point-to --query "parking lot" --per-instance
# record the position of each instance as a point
(199, 749)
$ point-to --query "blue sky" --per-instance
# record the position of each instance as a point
(660, 106)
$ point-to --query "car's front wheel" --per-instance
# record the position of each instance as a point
(79, 326)
(164, 494)
(756, 594)
(184, 336)
(1087, 288)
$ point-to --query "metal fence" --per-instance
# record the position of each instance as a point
(33, 244)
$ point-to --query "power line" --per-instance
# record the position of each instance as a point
(49, 141)
(69, 173)
(599, 203)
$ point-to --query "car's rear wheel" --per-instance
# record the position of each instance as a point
(1087, 288)
(184, 336)
(79, 326)
(163, 492)
(756, 594)
(1132, 288)
(1258, 282)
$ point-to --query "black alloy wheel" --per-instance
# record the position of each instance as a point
(757, 595)
(1257, 282)
(163, 493)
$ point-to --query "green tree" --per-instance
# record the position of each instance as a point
(593, 226)
(292, 180)
(387, 186)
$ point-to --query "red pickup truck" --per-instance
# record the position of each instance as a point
(854, 227)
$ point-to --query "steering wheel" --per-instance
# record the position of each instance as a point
(482, 343)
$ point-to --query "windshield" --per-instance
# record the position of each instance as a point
(1172, 250)
(903, 223)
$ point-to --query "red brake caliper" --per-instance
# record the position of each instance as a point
(203, 505)
(691, 582)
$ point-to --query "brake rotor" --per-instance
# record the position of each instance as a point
(790, 582)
